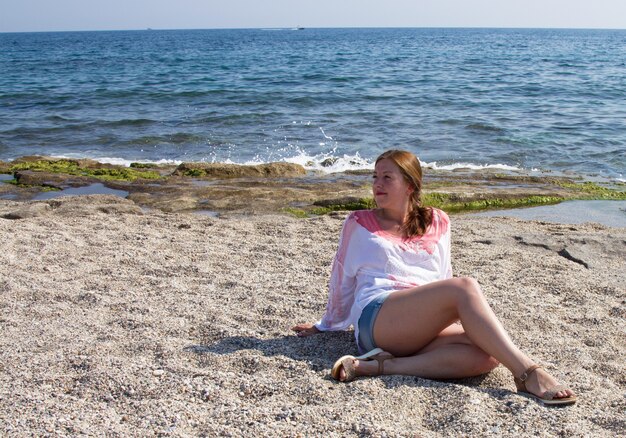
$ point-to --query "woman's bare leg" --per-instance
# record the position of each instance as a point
(411, 319)
(450, 356)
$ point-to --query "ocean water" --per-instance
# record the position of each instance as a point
(609, 213)
(528, 100)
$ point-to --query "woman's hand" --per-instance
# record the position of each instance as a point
(305, 329)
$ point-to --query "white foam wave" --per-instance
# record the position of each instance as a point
(325, 163)
(328, 163)
(119, 161)
(470, 166)
(123, 162)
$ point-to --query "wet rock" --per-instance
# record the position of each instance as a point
(329, 162)
(4, 167)
(338, 201)
(273, 187)
(55, 180)
(223, 170)
(84, 162)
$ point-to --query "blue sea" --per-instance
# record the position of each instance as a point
(523, 100)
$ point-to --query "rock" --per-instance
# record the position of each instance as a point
(30, 159)
(590, 253)
(76, 206)
(56, 180)
(223, 170)
(337, 201)
(83, 162)
(329, 162)
(170, 202)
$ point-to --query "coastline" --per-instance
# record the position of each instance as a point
(609, 213)
(119, 320)
(228, 189)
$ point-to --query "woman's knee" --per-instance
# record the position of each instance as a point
(489, 363)
(467, 287)
(483, 363)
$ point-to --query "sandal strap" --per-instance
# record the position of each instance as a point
(526, 374)
(348, 368)
(381, 358)
(381, 365)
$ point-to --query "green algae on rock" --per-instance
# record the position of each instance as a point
(286, 187)
(589, 190)
(296, 212)
(346, 203)
(87, 168)
(457, 204)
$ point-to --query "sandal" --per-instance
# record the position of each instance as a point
(548, 396)
(347, 363)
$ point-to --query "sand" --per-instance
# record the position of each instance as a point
(119, 321)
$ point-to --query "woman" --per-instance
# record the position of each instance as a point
(392, 280)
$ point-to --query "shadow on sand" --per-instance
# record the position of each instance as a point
(321, 351)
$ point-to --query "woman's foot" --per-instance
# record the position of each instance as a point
(539, 383)
(351, 367)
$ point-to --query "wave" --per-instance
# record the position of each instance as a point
(325, 163)
(119, 161)
(127, 122)
(471, 166)
(329, 163)
(485, 127)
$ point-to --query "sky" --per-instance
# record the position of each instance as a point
(67, 15)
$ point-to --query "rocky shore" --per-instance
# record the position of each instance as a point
(119, 320)
(218, 188)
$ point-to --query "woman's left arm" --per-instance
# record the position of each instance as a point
(446, 248)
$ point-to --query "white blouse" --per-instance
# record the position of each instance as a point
(370, 262)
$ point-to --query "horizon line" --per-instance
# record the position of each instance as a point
(323, 27)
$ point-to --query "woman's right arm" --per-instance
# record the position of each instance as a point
(305, 329)
(341, 287)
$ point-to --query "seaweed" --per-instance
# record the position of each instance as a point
(70, 167)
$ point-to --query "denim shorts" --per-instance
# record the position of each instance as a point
(366, 323)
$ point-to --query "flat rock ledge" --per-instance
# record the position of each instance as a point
(225, 170)
(224, 188)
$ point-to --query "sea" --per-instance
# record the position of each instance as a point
(536, 101)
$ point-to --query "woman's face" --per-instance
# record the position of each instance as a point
(389, 187)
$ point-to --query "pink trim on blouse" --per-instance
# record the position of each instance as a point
(427, 242)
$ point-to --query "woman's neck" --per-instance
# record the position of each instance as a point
(391, 220)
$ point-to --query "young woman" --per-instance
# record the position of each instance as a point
(392, 280)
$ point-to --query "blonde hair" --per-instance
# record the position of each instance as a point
(420, 217)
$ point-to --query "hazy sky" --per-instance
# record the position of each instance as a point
(44, 15)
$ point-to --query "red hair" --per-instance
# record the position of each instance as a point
(420, 217)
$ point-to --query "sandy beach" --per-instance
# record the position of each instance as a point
(117, 320)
